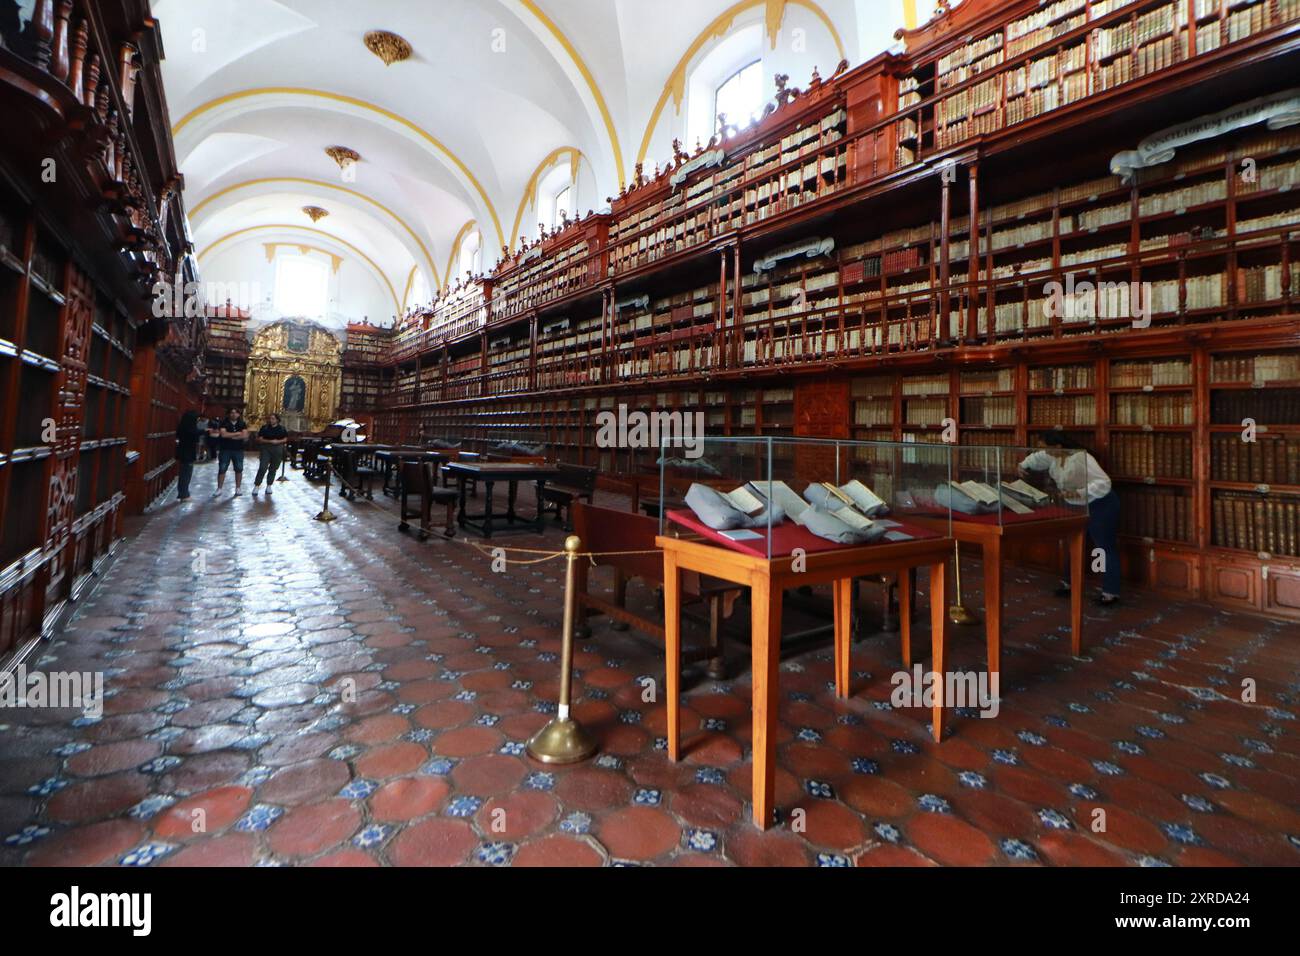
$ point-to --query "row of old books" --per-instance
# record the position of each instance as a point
(1273, 406)
(990, 412)
(1154, 410)
(1065, 411)
(992, 380)
(1251, 522)
(1268, 460)
(1175, 200)
(873, 412)
(1155, 456)
(1062, 377)
(1273, 367)
(1156, 373)
(1163, 514)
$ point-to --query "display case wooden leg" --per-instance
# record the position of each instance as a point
(993, 606)
(1076, 592)
(717, 665)
(843, 598)
(905, 619)
(765, 648)
(672, 653)
(938, 645)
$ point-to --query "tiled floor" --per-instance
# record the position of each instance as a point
(226, 698)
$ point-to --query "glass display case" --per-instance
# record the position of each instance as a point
(1004, 485)
(771, 497)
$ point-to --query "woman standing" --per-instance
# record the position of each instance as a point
(188, 435)
(271, 439)
(1083, 482)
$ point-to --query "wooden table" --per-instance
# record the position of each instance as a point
(991, 536)
(767, 579)
(489, 473)
(391, 459)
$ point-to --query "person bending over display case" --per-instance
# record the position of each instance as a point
(1083, 482)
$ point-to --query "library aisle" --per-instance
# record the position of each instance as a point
(232, 628)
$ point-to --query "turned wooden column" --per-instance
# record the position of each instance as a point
(77, 62)
(59, 42)
(40, 32)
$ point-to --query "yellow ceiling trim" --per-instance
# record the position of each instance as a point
(563, 40)
(410, 281)
(529, 198)
(194, 213)
(909, 14)
(455, 247)
(289, 227)
(336, 261)
(675, 85)
(350, 101)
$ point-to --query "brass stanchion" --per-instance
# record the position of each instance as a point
(958, 613)
(325, 513)
(563, 740)
(284, 463)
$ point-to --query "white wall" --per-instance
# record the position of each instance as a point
(804, 42)
(355, 292)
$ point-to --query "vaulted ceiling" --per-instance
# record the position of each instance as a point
(493, 93)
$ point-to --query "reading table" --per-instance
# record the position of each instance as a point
(822, 562)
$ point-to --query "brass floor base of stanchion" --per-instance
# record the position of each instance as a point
(561, 741)
(326, 515)
(958, 614)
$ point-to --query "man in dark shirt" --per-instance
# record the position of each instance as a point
(271, 439)
(188, 433)
(232, 432)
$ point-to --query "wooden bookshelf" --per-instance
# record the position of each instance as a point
(822, 246)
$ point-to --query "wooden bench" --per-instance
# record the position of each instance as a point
(418, 482)
(576, 483)
(607, 530)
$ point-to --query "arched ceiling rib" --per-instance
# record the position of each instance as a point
(456, 132)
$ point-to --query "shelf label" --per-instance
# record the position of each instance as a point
(1148, 388)
(1149, 480)
(1059, 391)
(1147, 428)
(1264, 556)
(1262, 489)
(1180, 211)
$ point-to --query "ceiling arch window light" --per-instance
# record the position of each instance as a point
(557, 197)
(740, 97)
(302, 285)
(470, 258)
(730, 79)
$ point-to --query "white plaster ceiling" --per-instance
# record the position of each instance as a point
(451, 135)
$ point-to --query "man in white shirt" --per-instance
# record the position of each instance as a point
(1081, 480)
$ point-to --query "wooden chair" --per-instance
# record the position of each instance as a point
(356, 477)
(575, 483)
(418, 482)
(607, 530)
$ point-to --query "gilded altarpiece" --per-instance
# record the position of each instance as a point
(296, 370)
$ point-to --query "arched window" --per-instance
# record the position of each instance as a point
(740, 96)
(301, 286)
(471, 255)
(563, 205)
